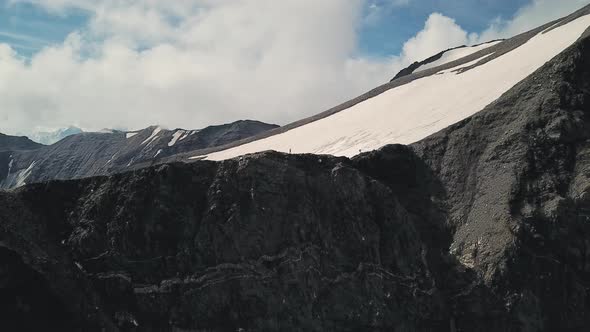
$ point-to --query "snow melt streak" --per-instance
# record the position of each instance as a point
(175, 137)
(455, 54)
(24, 174)
(153, 136)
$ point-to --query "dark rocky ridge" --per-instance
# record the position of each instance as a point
(92, 154)
(483, 226)
(17, 143)
(417, 64)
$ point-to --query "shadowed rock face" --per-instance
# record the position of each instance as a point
(516, 178)
(267, 242)
(26, 301)
(483, 226)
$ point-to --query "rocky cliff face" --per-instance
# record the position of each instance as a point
(11, 145)
(483, 226)
(264, 243)
(516, 183)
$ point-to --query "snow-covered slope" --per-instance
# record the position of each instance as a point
(455, 54)
(414, 107)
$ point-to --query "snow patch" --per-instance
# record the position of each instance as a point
(551, 27)
(158, 153)
(186, 134)
(465, 65)
(129, 135)
(175, 137)
(23, 175)
(456, 54)
(105, 131)
(152, 137)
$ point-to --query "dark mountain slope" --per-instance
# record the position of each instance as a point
(516, 177)
(223, 245)
(483, 226)
(92, 154)
(10, 146)
(14, 143)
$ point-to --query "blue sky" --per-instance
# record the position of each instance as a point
(399, 23)
(28, 28)
(125, 64)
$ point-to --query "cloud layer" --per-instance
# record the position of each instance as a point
(537, 13)
(197, 62)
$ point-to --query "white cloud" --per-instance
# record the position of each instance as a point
(537, 13)
(189, 64)
(440, 33)
(192, 63)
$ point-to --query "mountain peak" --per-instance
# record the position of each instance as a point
(48, 137)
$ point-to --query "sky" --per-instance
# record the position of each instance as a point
(191, 63)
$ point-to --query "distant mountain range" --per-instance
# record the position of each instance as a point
(50, 137)
(81, 154)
